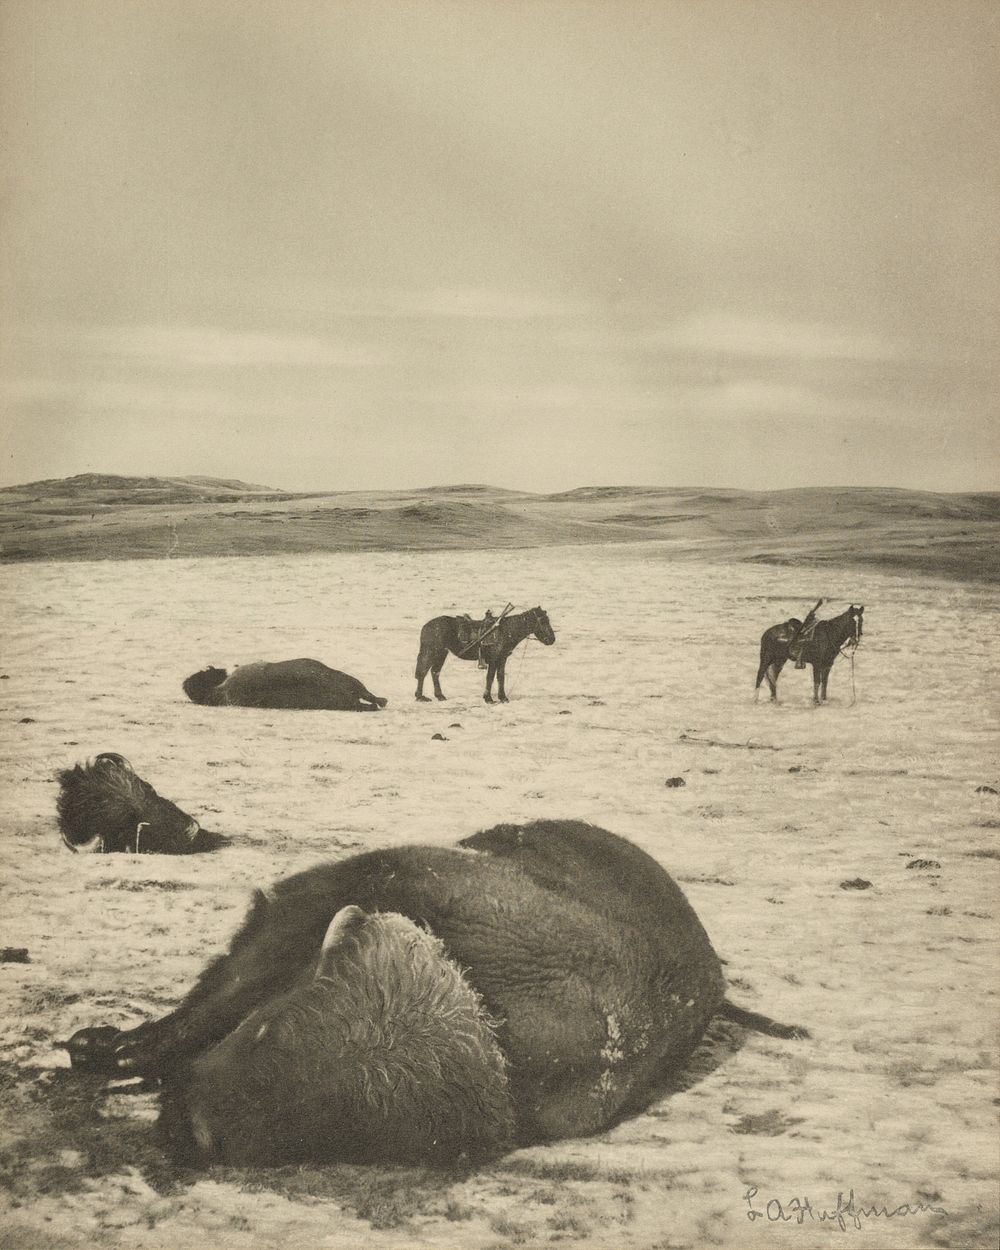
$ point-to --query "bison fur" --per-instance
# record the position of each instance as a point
(382, 1052)
(302, 684)
(104, 805)
(579, 945)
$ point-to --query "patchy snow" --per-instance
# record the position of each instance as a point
(893, 1097)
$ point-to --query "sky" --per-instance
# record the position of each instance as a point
(350, 244)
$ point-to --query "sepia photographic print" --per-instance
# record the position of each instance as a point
(499, 528)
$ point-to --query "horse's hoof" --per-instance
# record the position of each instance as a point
(441, 698)
(422, 698)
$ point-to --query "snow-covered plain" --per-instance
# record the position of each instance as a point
(893, 1097)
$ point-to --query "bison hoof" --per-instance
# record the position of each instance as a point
(93, 1050)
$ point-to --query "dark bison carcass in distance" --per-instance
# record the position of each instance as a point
(105, 806)
(593, 973)
(302, 684)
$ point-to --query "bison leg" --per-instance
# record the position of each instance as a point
(365, 696)
(270, 950)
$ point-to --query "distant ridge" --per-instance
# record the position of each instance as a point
(99, 516)
(468, 488)
(82, 482)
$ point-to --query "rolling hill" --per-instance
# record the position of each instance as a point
(106, 517)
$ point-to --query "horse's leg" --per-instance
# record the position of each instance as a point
(826, 678)
(772, 674)
(431, 658)
(490, 674)
(817, 681)
(501, 673)
(423, 664)
(760, 675)
(436, 668)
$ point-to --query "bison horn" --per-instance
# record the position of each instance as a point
(94, 845)
(345, 925)
(114, 758)
(143, 824)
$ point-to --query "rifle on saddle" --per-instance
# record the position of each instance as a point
(492, 623)
(803, 635)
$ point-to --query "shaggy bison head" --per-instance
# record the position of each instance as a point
(200, 687)
(383, 1051)
(104, 805)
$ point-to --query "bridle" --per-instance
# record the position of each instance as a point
(848, 649)
(539, 618)
(854, 641)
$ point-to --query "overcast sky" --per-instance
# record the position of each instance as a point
(328, 244)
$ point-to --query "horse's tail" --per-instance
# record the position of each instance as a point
(760, 1024)
(423, 663)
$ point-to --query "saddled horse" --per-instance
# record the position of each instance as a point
(464, 637)
(819, 649)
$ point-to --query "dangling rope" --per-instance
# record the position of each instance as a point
(853, 645)
(524, 652)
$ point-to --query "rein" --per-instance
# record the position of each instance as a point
(849, 649)
(528, 640)
(524, 652)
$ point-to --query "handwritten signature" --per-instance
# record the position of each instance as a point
(798, 1210)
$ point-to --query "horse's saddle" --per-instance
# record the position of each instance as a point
(798, 639)
(478, 636)
(788, 631)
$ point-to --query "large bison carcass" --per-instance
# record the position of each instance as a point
(584, 952)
